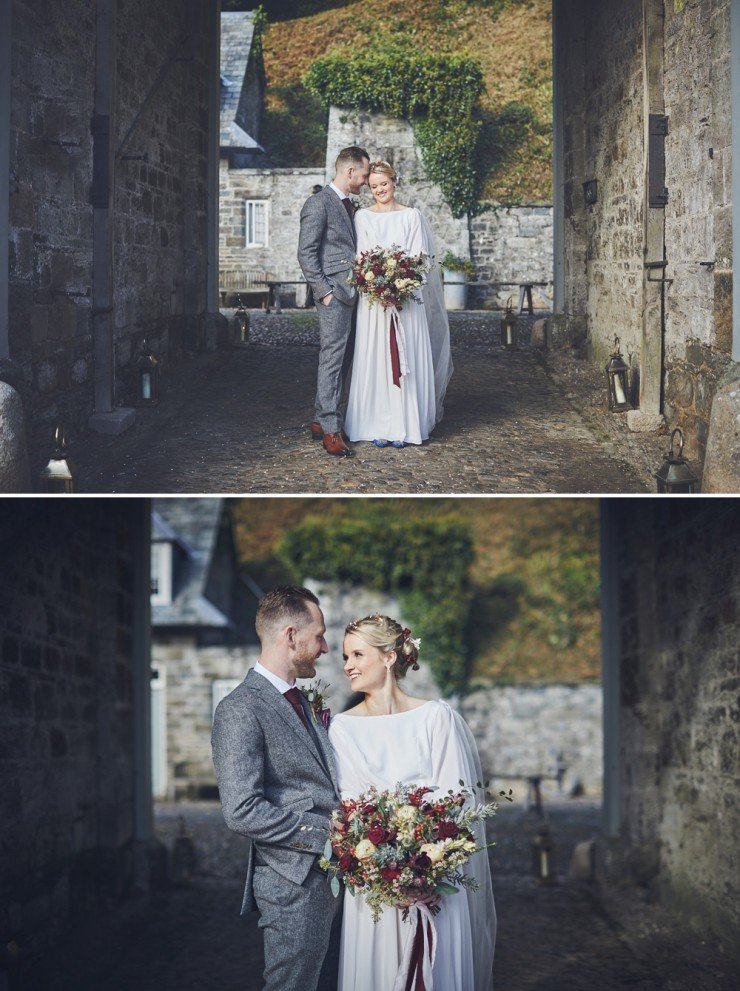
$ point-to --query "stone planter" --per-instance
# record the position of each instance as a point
(455, 290)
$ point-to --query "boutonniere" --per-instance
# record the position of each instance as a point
(314, 695)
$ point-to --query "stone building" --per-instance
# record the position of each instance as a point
(647, 110)
(203, 638)
(671, 625)
(75, 794)
(108, 200)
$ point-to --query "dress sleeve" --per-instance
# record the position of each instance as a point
(362, 229)
(455, 758)
(415, 236)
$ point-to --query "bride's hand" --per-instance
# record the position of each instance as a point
(429, 900)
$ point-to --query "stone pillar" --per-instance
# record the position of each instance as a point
(6, 9)
(14, 473)
(651, 351)
(558, 165)
(212, 191)
(105, 419)
(735, 84)
(612, 807)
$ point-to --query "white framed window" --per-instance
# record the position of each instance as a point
(220, 688)
(161, 574)
(255, 212)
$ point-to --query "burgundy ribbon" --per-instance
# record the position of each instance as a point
(395, 357)
(415, 976)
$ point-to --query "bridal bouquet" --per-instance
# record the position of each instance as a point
(389, 276)
(397, 847)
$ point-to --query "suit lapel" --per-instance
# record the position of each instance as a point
(282, 708)
(339, 207)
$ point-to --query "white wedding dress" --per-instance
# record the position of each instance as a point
(376, 408)
(428, 745)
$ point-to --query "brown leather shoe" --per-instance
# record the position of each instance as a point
(317, 432)
(334, 444)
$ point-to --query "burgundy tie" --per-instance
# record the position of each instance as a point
(294, 697)
(349, 208)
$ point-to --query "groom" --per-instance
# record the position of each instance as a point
(277, 783)
(326, 251)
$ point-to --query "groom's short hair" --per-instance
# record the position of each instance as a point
(286, 605)
(354, 155)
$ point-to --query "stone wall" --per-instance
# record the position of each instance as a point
(522, 730)
(160, 196)
(286, 190)
(605, 288)
(187, 672)
(512, 244)
(679, 720)
(393, 139)
(67, 772)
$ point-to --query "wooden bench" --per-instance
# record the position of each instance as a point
(525, 290)
(251, 288)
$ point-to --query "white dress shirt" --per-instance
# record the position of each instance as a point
(282, 686)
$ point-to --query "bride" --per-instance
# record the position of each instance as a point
(391, 737)
(378, 410)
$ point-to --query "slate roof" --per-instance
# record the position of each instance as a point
(237, 31)
(193, 524)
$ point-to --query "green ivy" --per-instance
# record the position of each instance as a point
(438, 94)
(425, 563)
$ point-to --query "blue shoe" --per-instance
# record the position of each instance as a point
(398, 443)
(380, 443)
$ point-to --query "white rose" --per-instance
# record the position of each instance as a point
(370, 277)
(405, 813)
(364, 849)
(435, 851)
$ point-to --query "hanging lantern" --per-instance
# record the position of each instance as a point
(508, 326)
(148, 367)
(57, 476)
(241, 326)
(543, 856)
(617, 384)
(675, 475)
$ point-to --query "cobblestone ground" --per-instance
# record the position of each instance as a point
(558, 938)
(238, 421)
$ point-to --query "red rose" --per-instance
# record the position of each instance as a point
(447, 830)
(347, 862)
(377, 270)
(421, 861)
(390, 873)
(378, 835)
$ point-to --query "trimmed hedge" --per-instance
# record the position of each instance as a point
(438, 94)
(426, 563)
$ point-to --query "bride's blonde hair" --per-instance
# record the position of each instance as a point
(387, 635)
(381, 167)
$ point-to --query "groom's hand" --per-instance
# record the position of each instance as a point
(327, 299)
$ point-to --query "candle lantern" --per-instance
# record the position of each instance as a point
(241, 326)
(674, 475)
(508, 326)
(57, 476)
(543, 856)
(617, 380)
(148, 368)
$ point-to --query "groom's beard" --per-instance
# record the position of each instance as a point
(305, 667)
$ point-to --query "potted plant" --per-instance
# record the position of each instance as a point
(456, 271)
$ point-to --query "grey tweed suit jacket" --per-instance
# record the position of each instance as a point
(327, 245)
(277, 787)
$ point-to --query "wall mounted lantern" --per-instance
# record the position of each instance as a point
(675, 476)
(57, 476)
(617, 380)
(590, 192)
